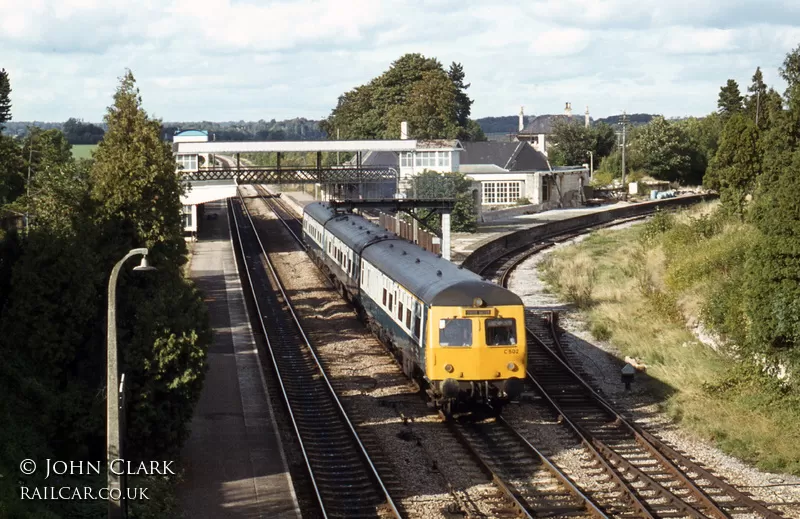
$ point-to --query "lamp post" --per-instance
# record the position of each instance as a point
(113, 451)
(591, 164)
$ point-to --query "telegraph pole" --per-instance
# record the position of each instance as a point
(624, 130)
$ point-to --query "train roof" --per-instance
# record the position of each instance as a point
(432, 279)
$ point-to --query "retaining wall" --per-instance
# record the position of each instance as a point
(489, 252)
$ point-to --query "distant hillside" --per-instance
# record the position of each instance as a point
(504, 124)
(298, 128)
(509, 124)
(633, 119)
(295, 129)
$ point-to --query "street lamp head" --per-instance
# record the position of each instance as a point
(144, 265)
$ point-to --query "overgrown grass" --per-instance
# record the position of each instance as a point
(83, 151)
(639, 287)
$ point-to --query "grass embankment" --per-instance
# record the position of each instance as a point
(643, 287)
(83, 151)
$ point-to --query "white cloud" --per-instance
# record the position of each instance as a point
(231, 59)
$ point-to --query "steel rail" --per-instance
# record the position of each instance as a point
(591, 506)
(660, 451)
(663, 452)
(362, 450)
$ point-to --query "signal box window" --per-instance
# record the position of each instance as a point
(501, 332)
(455, 332)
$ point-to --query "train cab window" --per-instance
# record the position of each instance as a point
(455, 332)
(384, 297)
(501, 332)
(417, 323)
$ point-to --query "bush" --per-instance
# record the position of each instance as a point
(601, 331)
(523, 201)
(602, 178)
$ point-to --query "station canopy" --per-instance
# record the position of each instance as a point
(220, 147)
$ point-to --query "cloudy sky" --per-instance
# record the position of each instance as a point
(253, 59)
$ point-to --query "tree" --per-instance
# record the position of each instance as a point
(737, 163)
(730, 100)
(45, 149)
(663, 149)
(163, 327)
(462, 101)
(415, 89)
(755, 104)
(790, 71)
(5, 99)
(573, 141)
(431, 184)
(78, 132)
(773, 268)
(428, 109)
(12, 183)
(133, 176)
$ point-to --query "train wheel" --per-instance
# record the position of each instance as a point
(447, 409)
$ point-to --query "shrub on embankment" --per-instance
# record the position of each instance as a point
(651, 288)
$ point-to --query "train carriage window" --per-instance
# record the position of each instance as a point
(400, 311)
(501, 332)
(384, 297)
(408, 318)
(390, 301)
(350, 266)
(455, 332)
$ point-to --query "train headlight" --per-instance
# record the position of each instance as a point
(449, 368)
(477, 302)
(511, 366)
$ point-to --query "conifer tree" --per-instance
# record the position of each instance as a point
(756, 103)
(730, 99)
(5, 98)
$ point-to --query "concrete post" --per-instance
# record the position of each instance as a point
(113, 451)
(415, 230)
(397, 223)
(446, 236)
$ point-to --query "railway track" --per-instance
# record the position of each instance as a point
(536, 486)
(345, 480)
(663, 481)
(529, 484)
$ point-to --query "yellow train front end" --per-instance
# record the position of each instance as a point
(476, 354)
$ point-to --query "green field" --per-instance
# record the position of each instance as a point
(83, 151)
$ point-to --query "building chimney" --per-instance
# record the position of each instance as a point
(568, 110)
(404, 130)
(521, 119)
(586, 118)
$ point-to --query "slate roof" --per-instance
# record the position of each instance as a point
(378, 159)
(511, 156)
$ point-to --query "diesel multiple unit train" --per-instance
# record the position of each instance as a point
(462, 336)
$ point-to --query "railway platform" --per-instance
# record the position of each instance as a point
(234, 462)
